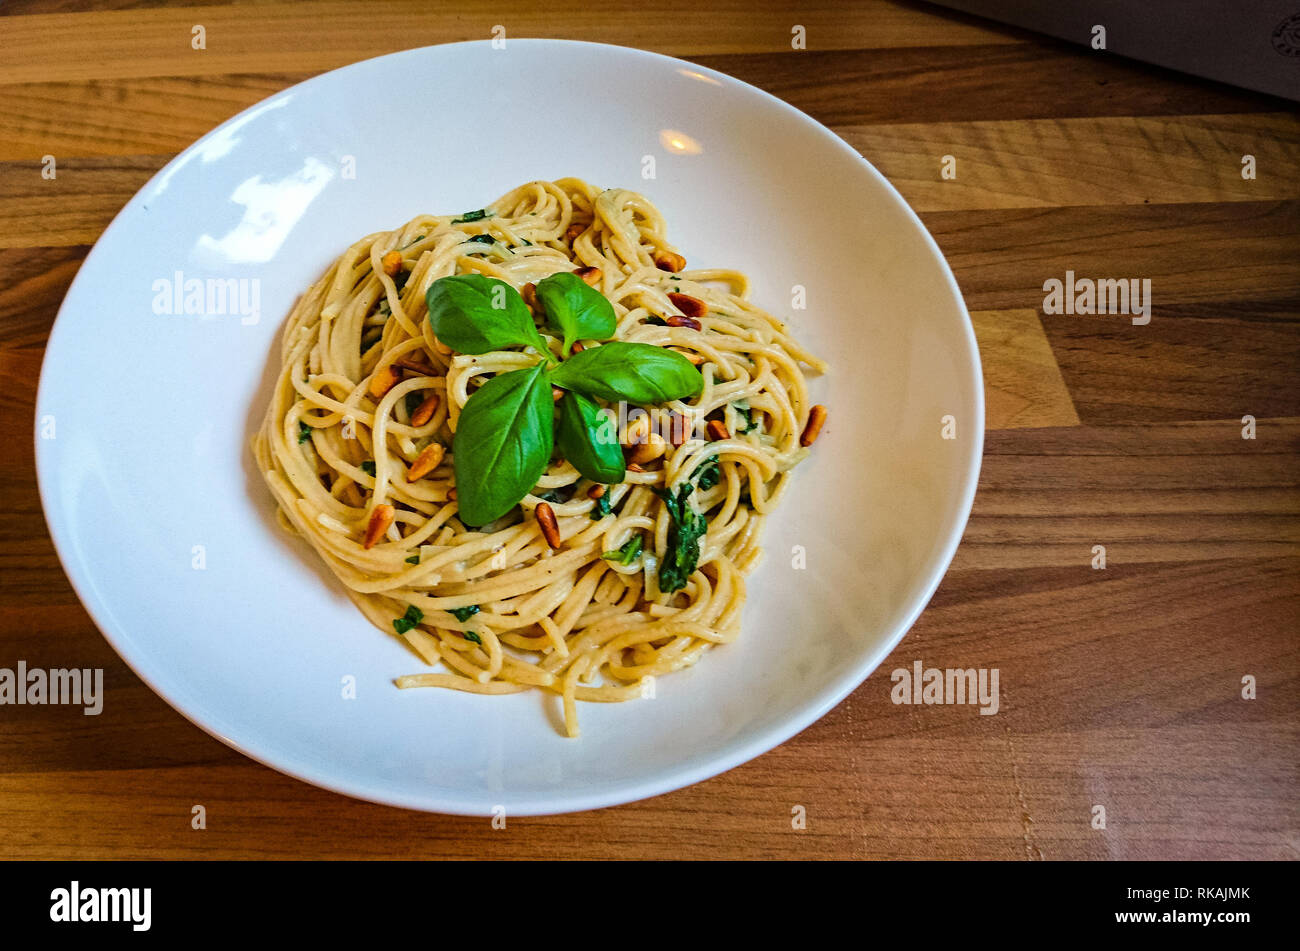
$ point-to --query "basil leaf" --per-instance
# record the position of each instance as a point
(502, 443)
(578, 311)
(588, 438)
(685, 527)
(476, 314)
(635, 372)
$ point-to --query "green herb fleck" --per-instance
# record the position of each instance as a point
(368, 467)
(413, 560)
(471, 216)
(656, 321)
(602, 508)
(304, 433)
(481, 239)
(471, 636)
(465, 613)
(630, 551)
(409, 620)
(708, 473)
(413, 401)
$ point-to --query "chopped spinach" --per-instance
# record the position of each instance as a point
(629, 552)
(708, 473)
(602, 508)
(685, 528)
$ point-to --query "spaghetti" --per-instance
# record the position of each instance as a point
(356, 448)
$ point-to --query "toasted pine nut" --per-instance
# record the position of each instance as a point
(688, 305)
(415, 366)
(675, 321)
(678, 430)
(557, 394)
(577, 347)
(650, 450)
(529, 293)
(391, 263)
(451, 494)
(635, 467)
(636, 432)
(380, 518)
(590, 275)
(669, 261)
(597, 491)
(425, 462)
(816, 417)
(545, 516)
(424, 412)
(718, 430)
(572, 232)
(384, 380)
(695, 358)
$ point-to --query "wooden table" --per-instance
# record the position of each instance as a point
(1120, 688)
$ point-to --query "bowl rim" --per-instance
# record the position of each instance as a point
(574, 800)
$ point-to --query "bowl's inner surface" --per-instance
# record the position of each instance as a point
(167, 530)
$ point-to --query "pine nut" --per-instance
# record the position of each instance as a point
(650, 450)
(545, 516)
(590, 275)
(718, 430)
(384, 380)
(597, 491)
(675, 321)
(391, 263)
(816, 418)
(688, 305)
(424, 412)
(425, 462)
(529, 293)
(380, 519)
(669, 261)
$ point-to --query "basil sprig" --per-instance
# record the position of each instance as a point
(508, 427)
(476, 314)
(502, 443)
(636, 372)
(577, 310)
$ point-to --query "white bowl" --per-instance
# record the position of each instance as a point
(165, 527)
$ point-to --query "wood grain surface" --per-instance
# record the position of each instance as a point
(1120, 687)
